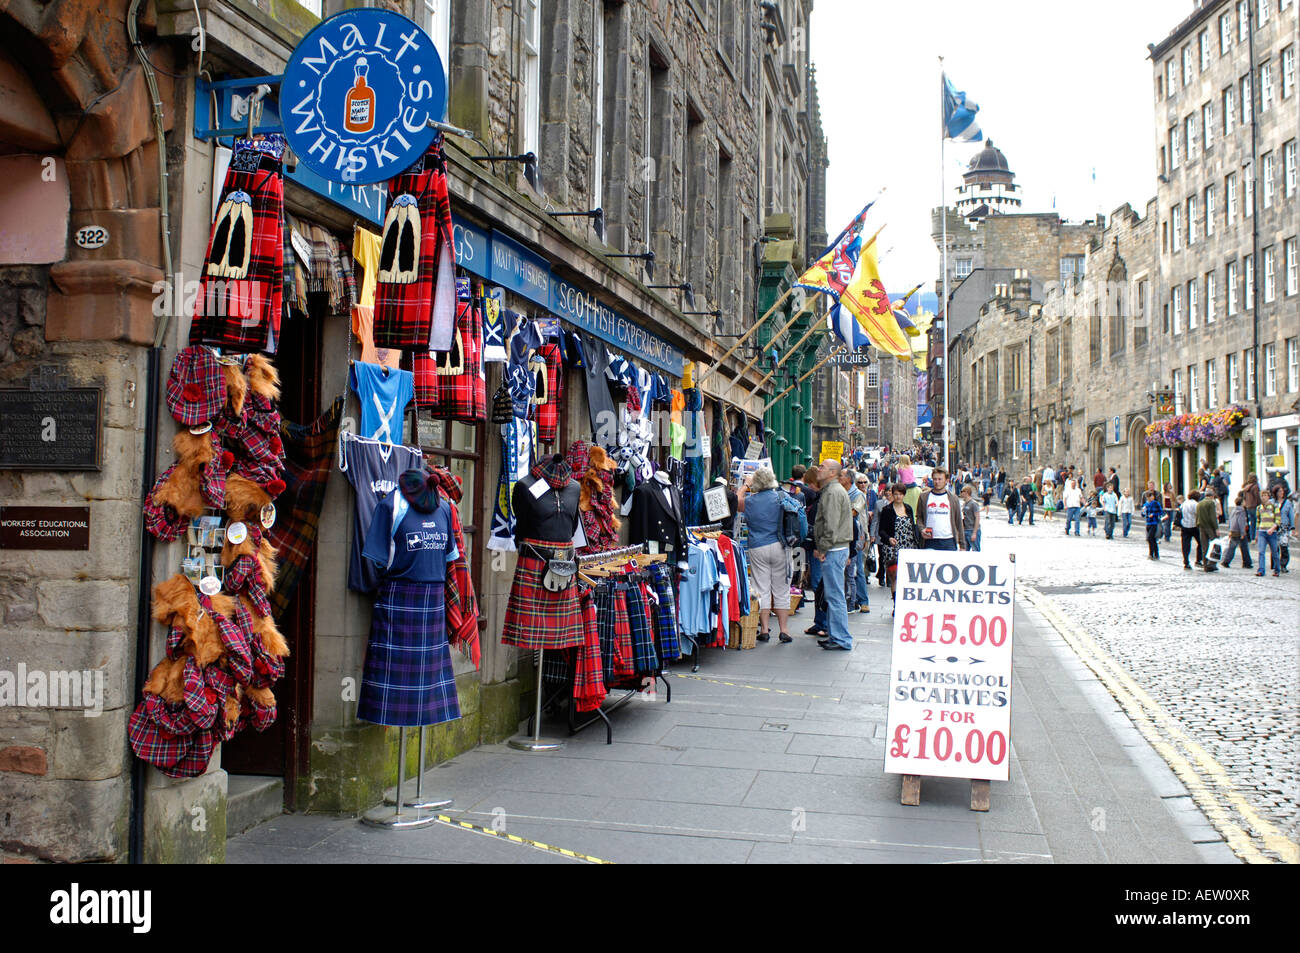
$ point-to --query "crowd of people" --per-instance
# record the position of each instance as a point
(850, 519)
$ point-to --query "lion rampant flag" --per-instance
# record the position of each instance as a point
(867, 300)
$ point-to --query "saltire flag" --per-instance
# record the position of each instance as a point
(866, 298)
(831, 273)
(846, 327)
(959, 115)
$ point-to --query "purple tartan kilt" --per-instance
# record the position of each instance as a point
(537, 618)
(408, 678)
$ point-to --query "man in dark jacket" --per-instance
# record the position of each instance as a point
(1207, 525)
(1012, 502)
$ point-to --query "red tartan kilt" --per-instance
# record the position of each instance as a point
(537, 618)
(460, 396)
(236, 314)
(404, 312)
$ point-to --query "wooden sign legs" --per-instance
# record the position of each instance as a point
(979, 793)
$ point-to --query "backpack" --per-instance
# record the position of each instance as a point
(794, 521)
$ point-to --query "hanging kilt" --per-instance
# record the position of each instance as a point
(641, 625)
(416, 291)
(666, 627)
(589, 681)
(537, 618)
(242, 285)
(623, 665)
(548, 403)
(451, 383)
(408, 679)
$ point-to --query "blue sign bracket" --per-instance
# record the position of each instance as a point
(224, 92)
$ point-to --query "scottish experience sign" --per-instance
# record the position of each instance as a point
(357, 95)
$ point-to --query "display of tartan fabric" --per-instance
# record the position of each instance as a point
(548, 402)
(641, 626)
(588, 680)
(666, 625)
(308, 459)
(623, 652)
(242, 288)
(537, 618)
(415, 299)
(462, 603)
(452, 383)
(408, 679)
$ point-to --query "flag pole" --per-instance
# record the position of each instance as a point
(943, 212)
(812, 329)
(747, 335)
(812, 370)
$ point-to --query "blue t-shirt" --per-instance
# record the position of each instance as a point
(1152, 510)
(384, 393)
(420, 548)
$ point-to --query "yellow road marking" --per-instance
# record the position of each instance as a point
(1147, 714)
(758, 688)
(515, 838)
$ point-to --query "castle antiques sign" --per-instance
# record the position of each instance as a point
(50, 426)
(357, 95)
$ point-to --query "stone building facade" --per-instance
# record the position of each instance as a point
(692, 124)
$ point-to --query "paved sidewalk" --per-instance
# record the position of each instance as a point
(775, 755)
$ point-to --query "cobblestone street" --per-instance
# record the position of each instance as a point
(1216, 656)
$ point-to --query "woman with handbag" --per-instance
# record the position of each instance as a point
(897, 531)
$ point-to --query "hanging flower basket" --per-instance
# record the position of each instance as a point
(1188, 430)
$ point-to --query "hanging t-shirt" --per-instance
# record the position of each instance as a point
(384, 394)
(372, 469)
(418, 549)
(937, 515)
(600, 403)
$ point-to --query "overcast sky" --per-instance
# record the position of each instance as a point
(1062, 89)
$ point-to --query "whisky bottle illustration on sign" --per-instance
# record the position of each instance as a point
(359, 113)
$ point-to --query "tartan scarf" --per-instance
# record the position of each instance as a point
(462, 603)
(309, 452)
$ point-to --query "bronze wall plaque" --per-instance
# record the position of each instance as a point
(51, 429)
(44, 527)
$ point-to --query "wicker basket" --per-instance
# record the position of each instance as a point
(744, 631)
(795, 599)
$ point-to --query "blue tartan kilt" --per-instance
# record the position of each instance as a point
(408, 678)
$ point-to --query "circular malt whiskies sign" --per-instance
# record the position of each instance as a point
(950, 674)
(357, 95)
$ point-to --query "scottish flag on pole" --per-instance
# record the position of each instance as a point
(959, 115)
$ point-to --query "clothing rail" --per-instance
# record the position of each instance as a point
(710, 528)
(610, 555)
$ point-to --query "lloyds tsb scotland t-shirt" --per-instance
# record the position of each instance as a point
(418, 549)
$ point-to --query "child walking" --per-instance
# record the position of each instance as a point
(1154, 513)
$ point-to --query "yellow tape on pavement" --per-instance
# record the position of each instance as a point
(759, 688)
(516, 839)
(1207, 781)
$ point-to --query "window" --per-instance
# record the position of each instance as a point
(1270, 369)
(1071, 269)
(1175, 150)
(1290, 264)
(1248, 192)
(1193, 390)
(1189, 136)
(437, 23)
(1176, 228)
(963, 267)
(1266, 172)
(1211, 386)
(1292, 365)
(1187, 65)
(1141, 314)
(1288, 169)
(1203, 44)
(1228, 109)
(1209, 210)
(1234, 378)
(530, 134)
(1230, 285)
(1270, 283)
(1191, 220)
(1171, 76)
(1249, 296)
(1250, 373)
(1288, 72)
(1247, 100)
(1243, 20)
(1066, 352)
(1207, 124)
(873, 375)
(1178, 391)
(1094, 336)
(1263, 14)
(1230, 189)
(1210, 291)
(1265, 86)
(1193, 306)
(1176, 307)
(1225, 33)
(873, 413)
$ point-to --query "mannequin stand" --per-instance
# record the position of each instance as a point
(417, 798)
(397, 821)
(535, 743)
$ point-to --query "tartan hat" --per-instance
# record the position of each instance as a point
(196, 387)
(420, 488)
(579, 456)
